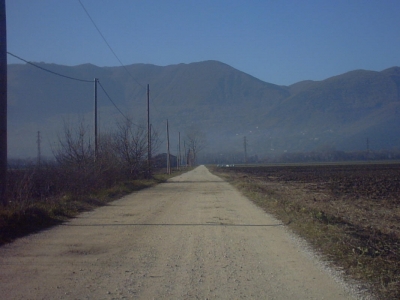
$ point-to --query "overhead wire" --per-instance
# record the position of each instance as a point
(91, 81)
(116, 56)
(47, 70)
(113, 52)
(109, 98)
(77, 79)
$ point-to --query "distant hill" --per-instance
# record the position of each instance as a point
(340, 112)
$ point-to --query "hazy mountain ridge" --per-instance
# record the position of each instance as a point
(341, 111)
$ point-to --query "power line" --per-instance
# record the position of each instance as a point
(104, 39)
(77, 79)
(109, 98)
(52, 72)
(113, 52)
(154, 106)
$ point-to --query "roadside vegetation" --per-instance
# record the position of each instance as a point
(47, 193)
(349, 213)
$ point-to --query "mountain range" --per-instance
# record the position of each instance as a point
(340, 112)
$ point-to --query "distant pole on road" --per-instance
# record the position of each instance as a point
(3, 103)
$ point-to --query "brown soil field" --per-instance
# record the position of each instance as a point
(350, 213)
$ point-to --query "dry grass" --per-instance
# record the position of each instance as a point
(352, 221)
(32, 215)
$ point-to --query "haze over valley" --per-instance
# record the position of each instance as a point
(340, 112)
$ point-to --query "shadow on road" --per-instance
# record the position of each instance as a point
(201, 224)
(197, 181)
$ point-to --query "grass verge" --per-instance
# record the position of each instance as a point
(20, 219)
(362, 251)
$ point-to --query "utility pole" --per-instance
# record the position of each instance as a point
(95, 120)
(148, 132)
(168, 158)
(3, 103)
(245, 150)
(38, 149)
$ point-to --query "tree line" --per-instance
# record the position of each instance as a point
(79, 169)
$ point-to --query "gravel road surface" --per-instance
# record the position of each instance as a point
(194, 237)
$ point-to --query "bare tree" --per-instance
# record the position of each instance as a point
(74, 147)
(75, 156)
(109, 169)
(130, 143)
(195, 140)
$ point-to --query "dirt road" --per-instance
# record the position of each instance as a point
(194, 237)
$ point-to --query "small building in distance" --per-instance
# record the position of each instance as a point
(160, 161)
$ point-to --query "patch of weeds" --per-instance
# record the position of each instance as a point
(17, 223)
(20, 219)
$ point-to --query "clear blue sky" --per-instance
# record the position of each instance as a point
(281, 42)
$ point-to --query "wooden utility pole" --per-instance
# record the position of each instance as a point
(95, 120)
(3, 103)
(168, 158)
(148, 133)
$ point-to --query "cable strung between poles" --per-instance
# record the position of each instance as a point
(109, 98)
(52, 72)
(76, 79)
(113, 52)
(104, 39)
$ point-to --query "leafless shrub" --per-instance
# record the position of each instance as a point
(75, 157)
(75, 148)
(20, 187)
(121, 155)
(196, 141)
(29, 183)
(108, 166)
(130, 144)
